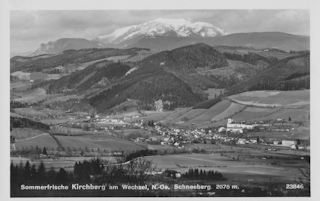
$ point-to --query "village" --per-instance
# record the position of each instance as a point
(235, 133)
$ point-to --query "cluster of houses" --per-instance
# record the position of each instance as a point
(180, 137)
(175, 137)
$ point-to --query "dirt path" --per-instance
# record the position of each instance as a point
(32, 137)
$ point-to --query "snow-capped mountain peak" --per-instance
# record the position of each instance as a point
(162, 27)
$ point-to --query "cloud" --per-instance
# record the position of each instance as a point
(28, 29)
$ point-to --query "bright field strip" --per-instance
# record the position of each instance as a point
(211, 112)
(230, 111)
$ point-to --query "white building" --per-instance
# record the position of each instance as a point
(238, 126)
(288, 143)
(241, 141)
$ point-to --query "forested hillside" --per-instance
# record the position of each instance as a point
(89, 77)
(292, 73)
(160, 85)
(169, 75)
(185, 58)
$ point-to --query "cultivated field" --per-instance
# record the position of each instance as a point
(16, 115)
(29, 112)
(53, 76)
(141, 55)
(273, 98)
(61, 97)
(301, 132)
(279, 55)
(84, 65)
(214, 124)
(211, 112)
(97, 141)
(40, 141)
(152, 117)
(54, 121)
(118, 58)
(189, 115)
(254, 113)
(253, 166)
(230, 111)
(25, 133)
(19, 86)
(302, 114)
(126, 114)
(21, 75)
(238, 51)
(176, 114)
(31, 96)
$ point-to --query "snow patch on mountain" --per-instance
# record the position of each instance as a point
(162, 27)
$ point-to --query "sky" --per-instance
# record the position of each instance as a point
(30, 28)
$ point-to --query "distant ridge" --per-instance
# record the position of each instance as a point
(63, 44)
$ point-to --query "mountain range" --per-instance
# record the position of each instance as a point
(168, 34)
(162, 27)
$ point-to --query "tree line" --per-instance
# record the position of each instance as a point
(202, 174)
(285, 85)
(250, 58)
(17, 104)
(20, 122)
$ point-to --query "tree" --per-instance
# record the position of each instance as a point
(27, 171)
(298, 141)
(289, 118)
(44, 151)
(69, 150)
(93, 125)
(33, 173)
(86, 127)
(62, 177)
(37, 149)
(41, 173)
(136, 172)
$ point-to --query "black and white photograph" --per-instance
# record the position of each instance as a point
(196, 100)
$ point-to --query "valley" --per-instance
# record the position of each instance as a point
(238, 113)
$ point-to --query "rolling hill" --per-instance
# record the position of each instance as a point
(291, 73)
(96, 75)
(68, 57)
